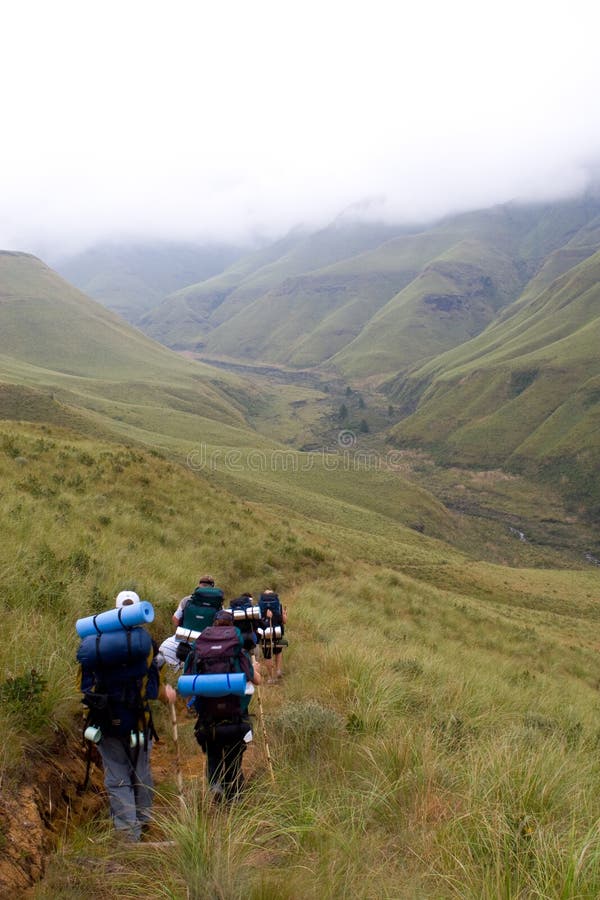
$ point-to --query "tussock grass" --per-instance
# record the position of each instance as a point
(429, 740)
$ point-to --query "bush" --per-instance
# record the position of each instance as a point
(306, 727)
(22, 695)
(10, 446)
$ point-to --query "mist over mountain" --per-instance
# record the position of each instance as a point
(326, 320)
(414, 114)
(132, 278)
(371, 300)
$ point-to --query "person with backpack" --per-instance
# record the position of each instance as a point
(246, 620)
(197, 611)
(223, 728)
(120, 674)
(272, 642)
(167, 653)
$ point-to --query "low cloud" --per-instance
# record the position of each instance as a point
(187, 123)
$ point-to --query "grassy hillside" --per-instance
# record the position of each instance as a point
(187, 312)
(55, 339)
(436, 734)
(133, 278)
(453, 298)
(406, 300)
(524, 394)
(307, 318)
(67, 360)
(489, 260)
(184, 319)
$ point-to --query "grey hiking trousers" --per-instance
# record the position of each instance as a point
(128, 780)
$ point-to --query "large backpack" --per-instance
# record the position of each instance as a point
(248, 625)
(202, 607)
(218, 650)
(119, 676)
(273, 603)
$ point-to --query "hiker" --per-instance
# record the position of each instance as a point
(249, 623)
(167, 653)
(196, 611)
(124, 676)
(275, 616)
(223, 728)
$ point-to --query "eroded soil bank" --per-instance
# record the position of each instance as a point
(41, 805)
(37, 808)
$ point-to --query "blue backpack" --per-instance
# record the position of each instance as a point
(272, 603)
(119, 676)
(247, 626)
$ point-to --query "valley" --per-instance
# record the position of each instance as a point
(301, 408)
(396, 430)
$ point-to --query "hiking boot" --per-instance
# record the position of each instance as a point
(126, 836)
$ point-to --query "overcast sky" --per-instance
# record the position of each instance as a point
(189, 118)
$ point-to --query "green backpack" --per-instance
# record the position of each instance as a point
(202, 608)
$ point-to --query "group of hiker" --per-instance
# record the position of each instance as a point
(214, 652)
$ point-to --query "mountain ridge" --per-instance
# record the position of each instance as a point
(524, 394)
(340, 315)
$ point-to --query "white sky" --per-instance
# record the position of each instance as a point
(184, 118)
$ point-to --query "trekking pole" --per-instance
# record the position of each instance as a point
(261, 716)
(177, 757)
(270, 615)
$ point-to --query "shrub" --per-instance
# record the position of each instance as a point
(22, 695)
(10, 446)
(307, 726)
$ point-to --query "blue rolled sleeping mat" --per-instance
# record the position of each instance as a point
(212, 685)
(116, 619)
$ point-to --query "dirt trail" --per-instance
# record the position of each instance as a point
(192, 760)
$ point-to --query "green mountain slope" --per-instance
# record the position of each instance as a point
(133, 278)
(526, 392)
(453, 298)
(329, 305)
(65, 359)
(406, 300)
(53, 336)
(436, 731)
(185, 318)
(490, 258)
